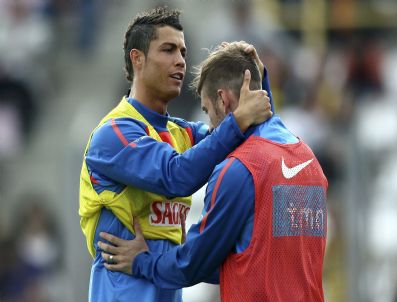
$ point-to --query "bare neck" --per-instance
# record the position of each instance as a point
(148, 99)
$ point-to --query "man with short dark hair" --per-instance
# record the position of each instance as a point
(139, 161)
(265, 218)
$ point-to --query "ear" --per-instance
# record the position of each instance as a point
(227, 100)
(137, 58)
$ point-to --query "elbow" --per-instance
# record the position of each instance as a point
(182, 178)
(179, 188)
(187, 185)
(189, 278)
(188, 270)
(187, 191)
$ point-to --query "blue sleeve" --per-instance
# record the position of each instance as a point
(140, 161)
(229, 202)
(266, 86)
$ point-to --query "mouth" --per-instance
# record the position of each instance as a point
(177, 76)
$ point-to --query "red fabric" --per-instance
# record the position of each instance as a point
(166, 137)
(277, 268)
(189, 132)
(93, 180)
(118, 132)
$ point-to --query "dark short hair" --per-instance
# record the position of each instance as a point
(224, 68)
(142, 31)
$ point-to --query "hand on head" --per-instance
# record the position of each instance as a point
(254, 105)
(249, 49)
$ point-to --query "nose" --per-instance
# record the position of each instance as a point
(180, 60)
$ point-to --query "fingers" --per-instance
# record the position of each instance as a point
(115, 267)
(224, 44)
(112, 239)
(246, 84)
(267, 99)
(263, 96)
(107, 248)
(137, 229)
(246, 81)
(262, 92)
(249, 48)
(268, 107)
(117, 264)
(107, 259)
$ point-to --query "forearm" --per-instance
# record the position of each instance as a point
(210, 241)
(180, 267)
(158, 168)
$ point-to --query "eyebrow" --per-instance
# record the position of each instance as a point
(173, 45)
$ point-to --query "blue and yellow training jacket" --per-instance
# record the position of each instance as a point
(141, 164)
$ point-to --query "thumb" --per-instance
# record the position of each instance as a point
(137, 229)
(246, 81)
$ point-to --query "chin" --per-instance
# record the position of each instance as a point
(174, 94)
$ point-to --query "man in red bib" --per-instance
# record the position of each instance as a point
(265, 218)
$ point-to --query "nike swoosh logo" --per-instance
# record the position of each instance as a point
(291, 172)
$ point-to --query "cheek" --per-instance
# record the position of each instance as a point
(213, 120)
(154, 68)
(154, 75)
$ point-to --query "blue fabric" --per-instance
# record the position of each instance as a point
(108, 286)
(155, 166)
(152, 166)
(228, 227)
(266, 86)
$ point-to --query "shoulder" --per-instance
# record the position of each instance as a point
(231, 173)
(125, 125)
(231, 186)
(116, 133)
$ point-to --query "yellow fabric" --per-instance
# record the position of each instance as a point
(131, 202)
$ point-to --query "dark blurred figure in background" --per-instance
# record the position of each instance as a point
(89, 15)
(25, 40)
(26, 37)
(365, 58)
(31, 255)
(17, 115)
